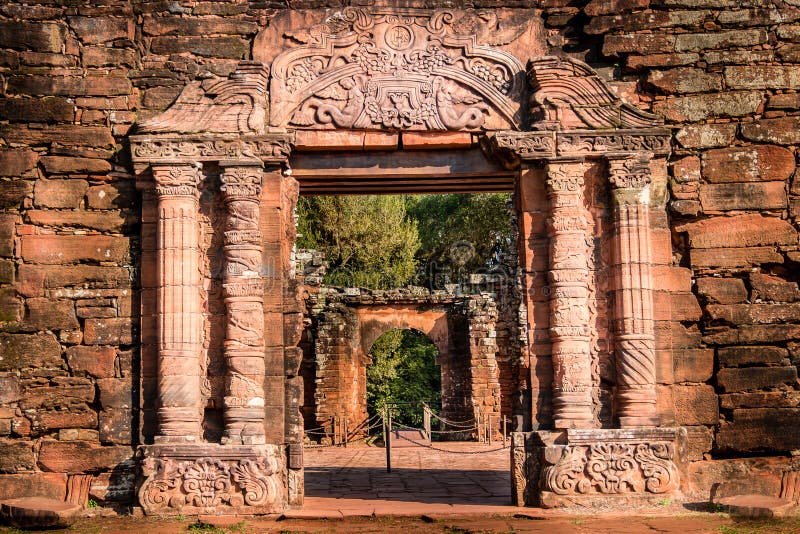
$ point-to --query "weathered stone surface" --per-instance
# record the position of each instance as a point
(722, 290)
(736, 356)
(755, 313)
(48, 314)
(59, 193)
(755, 163)
(68, 392)
(70, 85)
(706, 135)
(743, 196)
(693, 365)
(66, 165)
(638, 44)
(773, 288)
(104, 221)
(93, 30)
(605, 7)
(730, 39)
(685, 80)
(699, 107)
(197, 26)
(781, 131)
(111, 196)
(52, 249)
(39, 512)
(95, 361)
(695, 405)
(748, 378)
(65, 134)
(8, 224)
(662, 60)
(114, 392)
(217, 47)
(76, 415)
(734, 257)
(34, 279)
(47, 109)
(762, 77)
(100, 56)
(739, 231)
(52, 485)
(20, 351)
(13, 192)
(700, 440)
(41, 36)
(112, 331)
(760, 429)
(80, 456)
(761, 399)
(16, 162)
(16, 456)
(10, 389)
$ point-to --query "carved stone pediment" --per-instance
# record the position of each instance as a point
(237, 104)
(569, 95)
(397, 69)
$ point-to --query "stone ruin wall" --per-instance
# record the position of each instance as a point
(76, 76)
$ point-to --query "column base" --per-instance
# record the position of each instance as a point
(598, 467)
(207, 478)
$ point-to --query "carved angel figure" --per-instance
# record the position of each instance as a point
(472, 117)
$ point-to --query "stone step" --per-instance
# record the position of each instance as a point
(760, 506)
(38, 512)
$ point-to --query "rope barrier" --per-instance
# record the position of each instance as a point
(438, 449)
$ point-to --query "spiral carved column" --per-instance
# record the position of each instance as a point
(243, 290)
(633, 297)
(569, 296)
(180, 321)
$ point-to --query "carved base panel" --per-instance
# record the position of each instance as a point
(598, 467)
(207, 478)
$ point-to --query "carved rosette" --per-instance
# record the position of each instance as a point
(215, 484)
(569, 296)
(633, 295)
(178, 296)
(611, 468)
(243, 291)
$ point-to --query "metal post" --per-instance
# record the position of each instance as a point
(489, 428)
(346, 432)
(426, 420)
(504, 431)
(387, 439)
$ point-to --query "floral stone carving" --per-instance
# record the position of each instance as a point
(209, 479)
(399, 70)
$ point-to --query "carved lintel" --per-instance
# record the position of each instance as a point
(589, 143)
(212, 479)
(513, 147)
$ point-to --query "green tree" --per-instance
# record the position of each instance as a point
(403, 371)
(460, 234)
(369, 241)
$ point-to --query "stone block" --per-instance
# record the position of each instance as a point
(111, 331)
(762, 77)
(94, 30)
(743, 196)
(684, 307)
(731, 258)
(729, 39)
(662, 60)
(47, 109)
(750, 355)
(114, 393)
(14, 192)
(115, 426)
(67, 165)
(60, 391)
(17, 456)
(756, 163)
(693, 365)
(739, 231)
(10, 389)
(705, 106)
(70, 85)
(706, 135)
(686, 170)
(81, 456)
(11, 306)
(695, 404)
(780, 131)
(749, 378)
(39, 36)
(760, 429)
(722, 290)
(154, 25)
(672, 278)
(103, 221)
(638, 43)
(101, 56)
(118, 195)
(15, 162)
(39, 513)
(685, 80)
(215, 47)
(8, 224)
(35, 279)
(77, 416)
(52, 485)
(21, 351)
(755, 313)
(48, 314)
(58, 249)
(606, 7)
(773, 288)
(64, 134)
(95, 361)
(59, 193)
(761, 399)
(700, 440)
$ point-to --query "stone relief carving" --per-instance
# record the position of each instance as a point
(400, 70)
(209, 484)
(612, 468)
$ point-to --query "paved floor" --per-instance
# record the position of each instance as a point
(460, 478)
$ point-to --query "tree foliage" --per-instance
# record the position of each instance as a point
(403, 371)
(369, 241)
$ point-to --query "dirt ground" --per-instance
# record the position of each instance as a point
(687, 523)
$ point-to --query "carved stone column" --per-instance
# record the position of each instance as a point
(635, 353)
(569, 296)
(243, 290)
(180, 321)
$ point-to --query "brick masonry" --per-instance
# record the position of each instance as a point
(73, 229)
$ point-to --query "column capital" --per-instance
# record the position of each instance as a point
(629, 170)
(177, 179)
(241, 181)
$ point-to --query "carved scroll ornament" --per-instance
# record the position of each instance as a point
(412, 70)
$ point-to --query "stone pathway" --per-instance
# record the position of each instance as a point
(471, 478)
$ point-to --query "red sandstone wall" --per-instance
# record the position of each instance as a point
(75, 77)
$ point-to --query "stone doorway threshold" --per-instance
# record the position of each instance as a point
(343, 482)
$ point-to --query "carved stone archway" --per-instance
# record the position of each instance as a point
(218, 286)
